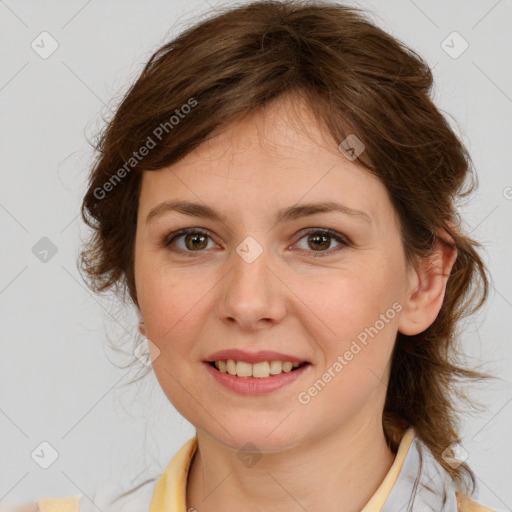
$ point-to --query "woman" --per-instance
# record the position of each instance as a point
(276, 195)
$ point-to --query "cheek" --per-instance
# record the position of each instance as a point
(172, 302)
(346, 306)
(357, 315)
(359, 318)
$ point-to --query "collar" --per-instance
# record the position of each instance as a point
(416, 482)
(423, 485)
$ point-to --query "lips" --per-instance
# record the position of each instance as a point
(256, 386)
(252, 357)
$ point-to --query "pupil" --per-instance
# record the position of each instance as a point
(324, 237)
(321, 241)
(195, 237)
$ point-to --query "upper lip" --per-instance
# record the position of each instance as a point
(253, 357)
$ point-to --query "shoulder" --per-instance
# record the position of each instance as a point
(466, 504)
(65, 504)
(111, 497)
(26, 507)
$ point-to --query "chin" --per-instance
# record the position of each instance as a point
(261, 437)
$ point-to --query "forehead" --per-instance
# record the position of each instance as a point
(285, 129)
(277, 157)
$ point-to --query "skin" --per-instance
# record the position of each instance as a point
(329, 454)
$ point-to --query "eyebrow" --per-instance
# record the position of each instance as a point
(286, 214)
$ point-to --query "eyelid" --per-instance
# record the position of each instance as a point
(342, 239)
(169, 238)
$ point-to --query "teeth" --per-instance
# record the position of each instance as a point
(257, 370)
(276, 367)
(231, 367)
(243, 369)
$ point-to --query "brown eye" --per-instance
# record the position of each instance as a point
(194, 240)
(319, 240)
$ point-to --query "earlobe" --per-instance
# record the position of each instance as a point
(427, 287)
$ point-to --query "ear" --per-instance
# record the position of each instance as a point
(426, 287)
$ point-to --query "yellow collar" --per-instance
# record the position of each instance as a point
(171, 488)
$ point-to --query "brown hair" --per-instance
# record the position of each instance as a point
(357, 80)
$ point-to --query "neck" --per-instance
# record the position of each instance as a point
(338, 471)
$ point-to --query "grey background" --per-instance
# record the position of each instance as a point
(59, 382)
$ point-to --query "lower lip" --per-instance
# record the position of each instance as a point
(253, 385)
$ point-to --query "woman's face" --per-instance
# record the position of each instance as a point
(255, 283)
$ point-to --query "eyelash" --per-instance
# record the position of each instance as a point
(345, 242)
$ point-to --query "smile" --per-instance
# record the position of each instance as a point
(255, 378)
(258, 370)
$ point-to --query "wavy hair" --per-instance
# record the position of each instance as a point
(356, 79)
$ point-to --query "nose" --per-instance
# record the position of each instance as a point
(252, 293)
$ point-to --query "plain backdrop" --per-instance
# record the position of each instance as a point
(59, 381)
